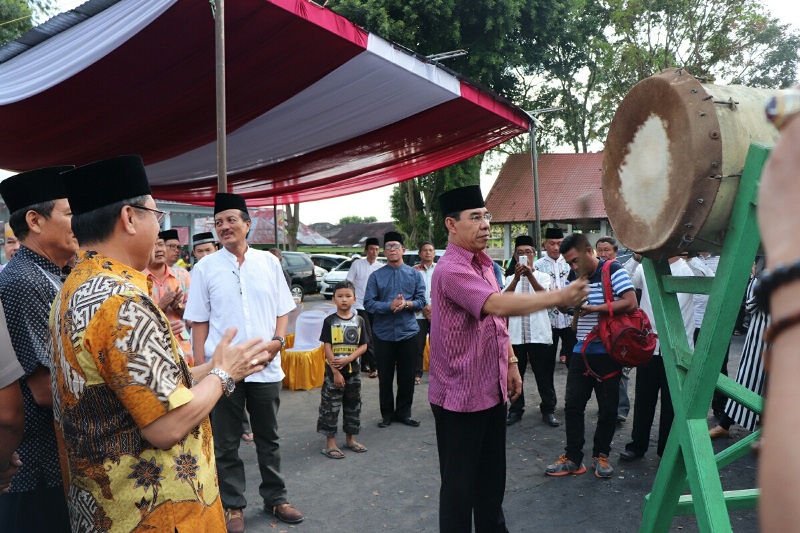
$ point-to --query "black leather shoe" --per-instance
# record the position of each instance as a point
(628, 455)
(408, 421)
(386, 422)
(513, 418)
(550, 420)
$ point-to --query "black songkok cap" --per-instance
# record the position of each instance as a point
(523, 240)
(553, 233)
(105, 182)
(169, 234)
(225, 200)
(33, 187)
(203, 238)
(457, 200)
(392, 236)
(370, 241)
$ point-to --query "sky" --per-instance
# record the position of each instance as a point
(376, 202)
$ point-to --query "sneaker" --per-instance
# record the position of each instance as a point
(601, 467)
(564, 467)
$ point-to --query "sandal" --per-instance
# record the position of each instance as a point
(357, 447)
(333, 453)
(247, 437)
(417, 381)
(373, 374)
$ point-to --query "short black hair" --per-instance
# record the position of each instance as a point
(345, 284)
(98, 225)
(18, 220)
(574, 240)
(423, 243)
(610, 240)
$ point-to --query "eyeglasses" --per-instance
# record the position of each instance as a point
(524, 252)
(159, 214)
(173, 246)
(392, 246)
(477, 219)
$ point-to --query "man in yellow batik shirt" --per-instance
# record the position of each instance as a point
(134, 434)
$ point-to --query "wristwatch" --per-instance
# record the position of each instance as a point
(228, 385)
(281, 340)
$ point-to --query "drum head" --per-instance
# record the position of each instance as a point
(661, 157)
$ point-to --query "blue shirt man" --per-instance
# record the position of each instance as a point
(395, 293)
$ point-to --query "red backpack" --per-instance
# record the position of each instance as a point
(628, 338)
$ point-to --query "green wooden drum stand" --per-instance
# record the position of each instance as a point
(689, 457)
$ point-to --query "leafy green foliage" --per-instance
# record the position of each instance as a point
(495, 33)
(355, 219)
(19, 16)
(606, 46)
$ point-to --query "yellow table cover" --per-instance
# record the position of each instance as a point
(304, 369)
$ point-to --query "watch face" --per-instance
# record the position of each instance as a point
(229, 385)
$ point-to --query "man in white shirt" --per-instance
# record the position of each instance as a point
(426, 265)
(241, 287)
(651, 378)
(554, 266)
(531, 335)
(358, 274)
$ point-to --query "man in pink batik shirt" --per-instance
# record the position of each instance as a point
(473, 370)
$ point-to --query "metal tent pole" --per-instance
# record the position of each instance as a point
(222, 147)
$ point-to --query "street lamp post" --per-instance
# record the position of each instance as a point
(535, 164)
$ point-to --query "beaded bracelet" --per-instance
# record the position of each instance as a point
(768, 281)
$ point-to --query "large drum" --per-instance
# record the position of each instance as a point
(673, 158)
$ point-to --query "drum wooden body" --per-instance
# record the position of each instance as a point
(675, 150)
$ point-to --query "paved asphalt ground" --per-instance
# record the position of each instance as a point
(394, 486)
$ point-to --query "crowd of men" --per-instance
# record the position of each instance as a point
(115, 362)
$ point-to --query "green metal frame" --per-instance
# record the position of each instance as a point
(693, 375)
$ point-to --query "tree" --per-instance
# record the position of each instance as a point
(292, 224)
(605, 47)
(18, 16)
(355, 219)
(495, 34)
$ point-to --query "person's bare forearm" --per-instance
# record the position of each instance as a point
(509, 304)
(12, 422)
(41, 386)
(199, 336)
(169, 429)
(779, 456)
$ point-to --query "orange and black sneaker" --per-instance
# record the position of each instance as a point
(564, 467)
(601, 467)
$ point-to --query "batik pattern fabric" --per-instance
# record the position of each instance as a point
(117, 369)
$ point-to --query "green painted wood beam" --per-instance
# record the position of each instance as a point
(690, 285)
(694, 374)
(737, 450)
(741, 394)
(734, 500)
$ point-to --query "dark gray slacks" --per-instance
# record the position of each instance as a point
(400, 356)
(472, 465)
(262, 401)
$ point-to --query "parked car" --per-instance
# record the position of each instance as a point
(412, 258)
(319, 273)
(323, 263)
(338, 274)
(328, 261)
(301, 270)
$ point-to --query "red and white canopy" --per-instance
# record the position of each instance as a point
(316, 106)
